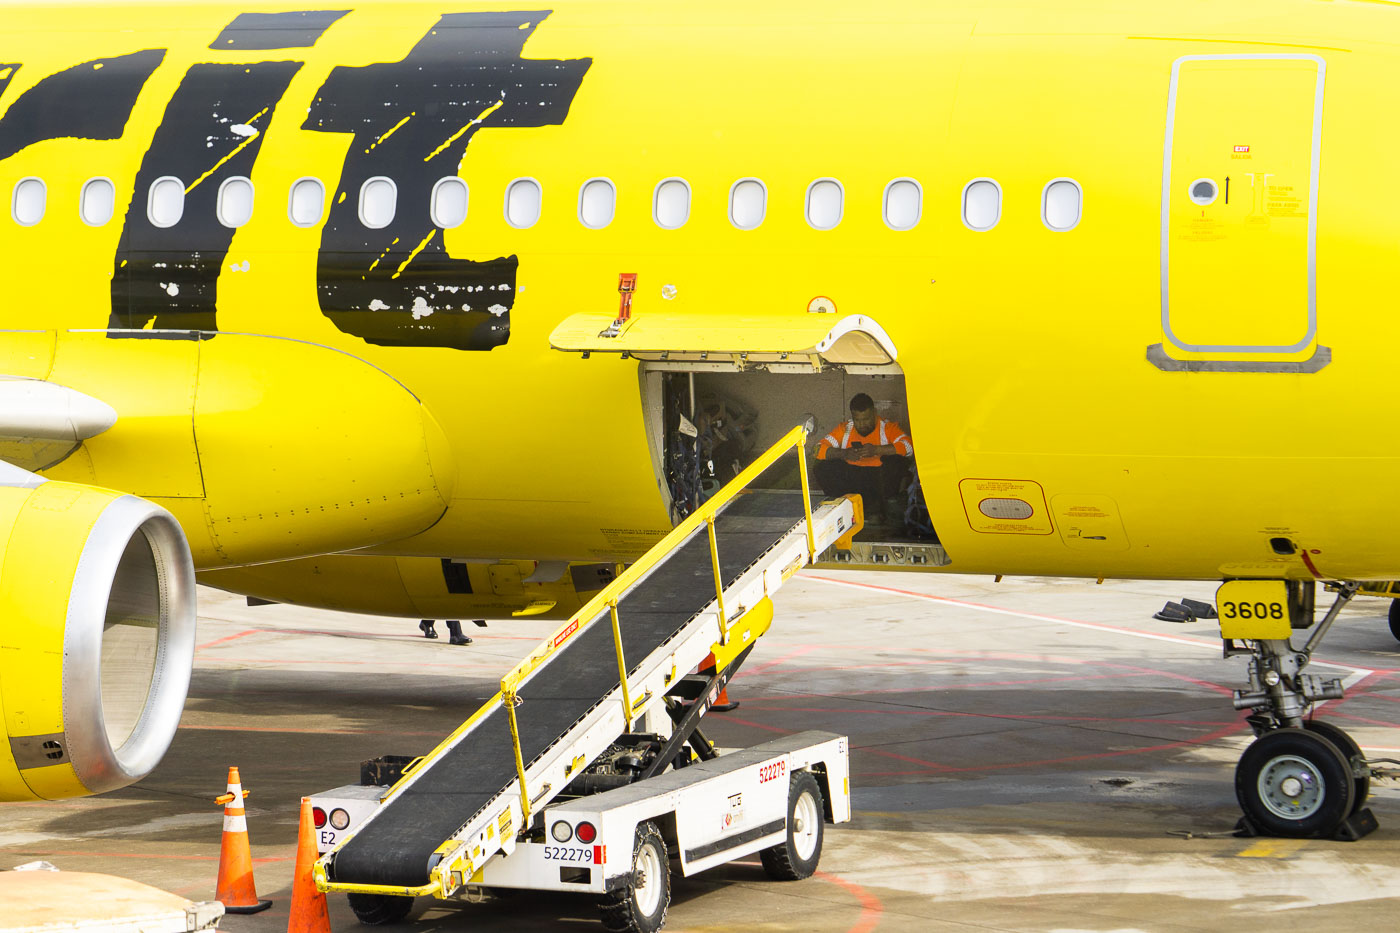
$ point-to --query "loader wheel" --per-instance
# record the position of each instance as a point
(1395, 618)
(640, 906)
(378, 909)
(797, 858)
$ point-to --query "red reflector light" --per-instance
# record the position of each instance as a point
(318, 816)
(585, 833)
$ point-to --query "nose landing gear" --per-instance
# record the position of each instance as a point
(1299, 779)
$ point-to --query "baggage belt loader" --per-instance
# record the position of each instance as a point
(597, 733)
(622, 845)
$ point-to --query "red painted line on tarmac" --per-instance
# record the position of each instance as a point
(1134, 669)
(848, 667)
(925, 767)
(954, 714)
(275, 662)
(730, 717)
(220, 641)
(1036, 616)
(1366, 681)
(769, 665)
(1338, 714)
(366, 636)
(309, 731)
(960, 685)
(870, 907)
(391, 636)
(1338, 708)
(935, 767)
(1041, 617)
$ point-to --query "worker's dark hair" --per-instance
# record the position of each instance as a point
(862, 402)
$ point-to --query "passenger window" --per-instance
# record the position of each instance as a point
(378, 201)
(449, 203)
(29, 202)
(825, 203)
(306, 202)
(597, 203)
(165, 204)
(1061, 206)
(523, 201)
(98, 202)
(904, 204)
(671, 204)
(234, 206)
(981, 208)
(748, 203)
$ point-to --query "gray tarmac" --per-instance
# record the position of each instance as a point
(1030, 755)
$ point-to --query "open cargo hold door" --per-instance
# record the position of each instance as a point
(732, 342)
(786, 368)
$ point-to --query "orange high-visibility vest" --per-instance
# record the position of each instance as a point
(885, 432)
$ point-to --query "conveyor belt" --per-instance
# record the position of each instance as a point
(396, 846)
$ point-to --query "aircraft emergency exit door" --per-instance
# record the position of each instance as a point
(1239, 203)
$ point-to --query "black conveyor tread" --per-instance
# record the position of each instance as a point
(394, 847)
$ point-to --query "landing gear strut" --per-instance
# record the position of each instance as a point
(1301, 779)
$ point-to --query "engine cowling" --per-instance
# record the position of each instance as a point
(97, 622)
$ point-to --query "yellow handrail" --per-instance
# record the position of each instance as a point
(510, 700)
(621, 665)
(807, 507)
(719, 580)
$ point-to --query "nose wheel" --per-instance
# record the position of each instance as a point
(1295, 783)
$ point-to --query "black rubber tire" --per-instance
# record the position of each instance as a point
(622, 911)
(1351, 752)
(1310, 761)
(1395, 618)
(378, 909)
(785, 862)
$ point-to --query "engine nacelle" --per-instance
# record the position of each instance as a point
(97, 622)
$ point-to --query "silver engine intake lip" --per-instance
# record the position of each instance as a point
(135, 570)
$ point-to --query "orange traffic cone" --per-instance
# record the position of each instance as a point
(722, 703)
(235, 888)
(308, 904)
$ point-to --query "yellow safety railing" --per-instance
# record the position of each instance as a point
(621, 664)
(719, 578)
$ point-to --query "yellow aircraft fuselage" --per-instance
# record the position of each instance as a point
(1162, 328)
